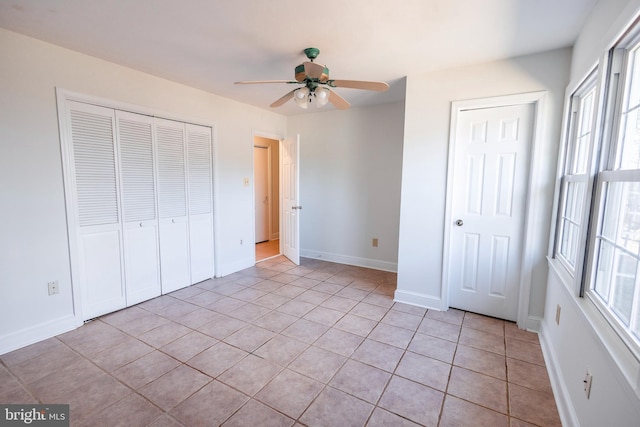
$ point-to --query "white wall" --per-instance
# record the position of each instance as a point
(350, 168)
(604, 25)
(33, 237)
(583, 339)
(424, 169)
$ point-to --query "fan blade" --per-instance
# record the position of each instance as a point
(255, 82)
(338, 101)
(358, 84)
(282, 100)
(315, 71)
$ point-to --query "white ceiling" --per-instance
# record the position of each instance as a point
(209, 44)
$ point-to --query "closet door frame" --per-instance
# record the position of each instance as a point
(64, 122)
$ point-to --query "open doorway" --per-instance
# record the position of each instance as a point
(266, 167)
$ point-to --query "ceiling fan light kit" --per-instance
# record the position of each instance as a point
(315, 78)
(304, 97)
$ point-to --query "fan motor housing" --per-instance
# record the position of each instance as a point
(301, 75)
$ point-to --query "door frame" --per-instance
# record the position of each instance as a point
(269, 184)
(537, 99)
(278, 138)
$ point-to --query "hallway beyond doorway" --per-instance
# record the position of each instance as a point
(265, 250)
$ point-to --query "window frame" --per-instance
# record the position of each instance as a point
(617, 84)
(574, 119)
(588, 86)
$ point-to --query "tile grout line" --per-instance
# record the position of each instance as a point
(453, 358)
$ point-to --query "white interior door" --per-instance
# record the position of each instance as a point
(96, 212)
(142, 263)
(172, 205)
(261, 188)
(200, 202)
(290, 178)
(490, 181)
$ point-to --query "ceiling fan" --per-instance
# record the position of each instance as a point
(315, 82)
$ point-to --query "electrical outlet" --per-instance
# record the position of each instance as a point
(53, 287)
(374, 242)
(587, 383)
(241, 242)
(558, 309)
(246, 182)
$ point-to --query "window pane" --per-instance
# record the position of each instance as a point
(571, 219)
(630, 153)
(636, 328)
(611, 210)
(573, 205)
(569, 244)
(621, 222)
(569, 206)
(624, 285)
(603, 270)
(633, 98)
(583, 138)
(629, 231)
(586, 112)
(577, 197)
(580, 162)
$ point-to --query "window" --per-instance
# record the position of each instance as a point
(575, 175)
(598, 221)
(615, 255)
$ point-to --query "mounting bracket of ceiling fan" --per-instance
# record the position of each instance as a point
(312, 53)
(315, 78)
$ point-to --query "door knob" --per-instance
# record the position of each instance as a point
(459, 223)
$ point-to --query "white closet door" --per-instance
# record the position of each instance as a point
(96, 217)
(172, 205)
(200, 202)
(138, 189)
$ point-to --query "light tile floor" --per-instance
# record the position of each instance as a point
(319, 344)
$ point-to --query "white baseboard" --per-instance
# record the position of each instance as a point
(36, 333)
(351, 260)
(417, 299)
(275, 236)
(534, 323)
(566, 411)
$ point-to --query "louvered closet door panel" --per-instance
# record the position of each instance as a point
(172, 205)
(200, 202)
(141, 252)
(96, 217)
